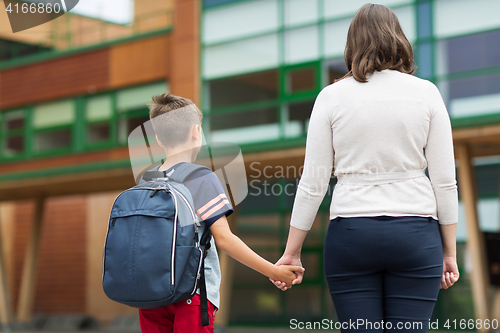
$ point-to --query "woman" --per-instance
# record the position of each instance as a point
(390, 244)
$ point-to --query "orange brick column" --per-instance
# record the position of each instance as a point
(185, 50)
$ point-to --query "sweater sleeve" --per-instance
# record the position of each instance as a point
(440, 159)
(318, 164)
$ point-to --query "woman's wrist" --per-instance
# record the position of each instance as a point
(293, 255)
(449, 252)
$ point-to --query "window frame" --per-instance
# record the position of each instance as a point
(285, 85)
(242, 106)
(72, 127)
(126, 115)
(5, 134)
(54, 151)
(77, 128)
(112, 123)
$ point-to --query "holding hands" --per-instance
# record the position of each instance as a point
(289, 262)
(291, 257)
(286, 275)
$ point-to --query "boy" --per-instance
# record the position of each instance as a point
(177, 124)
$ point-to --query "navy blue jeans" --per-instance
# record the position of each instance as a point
(383, 272)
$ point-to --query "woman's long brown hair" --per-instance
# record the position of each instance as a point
(376, 41)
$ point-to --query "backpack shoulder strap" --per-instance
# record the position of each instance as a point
(205, 245)
(184, 170)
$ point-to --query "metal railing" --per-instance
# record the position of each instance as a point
(73, 31)
(66, 34)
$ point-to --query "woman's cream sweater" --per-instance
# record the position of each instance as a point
(380, 136)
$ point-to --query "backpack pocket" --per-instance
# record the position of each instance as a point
(188, 265)
(138, 259)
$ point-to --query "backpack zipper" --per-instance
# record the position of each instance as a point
(198, 272)
(196, 231)
(174, 238)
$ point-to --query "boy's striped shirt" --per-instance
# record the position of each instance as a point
(214, 205)
(209, 198)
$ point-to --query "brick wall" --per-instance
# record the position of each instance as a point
(60, 281)
(54, 79)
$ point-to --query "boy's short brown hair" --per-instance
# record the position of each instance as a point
(173, 128)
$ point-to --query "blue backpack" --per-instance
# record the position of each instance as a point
(153, 255)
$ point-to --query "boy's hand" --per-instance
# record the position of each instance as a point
(285, 274)
(294, 261)
(289, 260)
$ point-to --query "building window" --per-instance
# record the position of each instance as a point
(98, 132)
(301, 80)
(338, 8)
(211, 3)
(105, 120)
(241, 56)
(53, 140)
(335, 69)
(454, 18)
(132, 107)
(138, 97)
(469, 53)
(98, 115)
(242, 89)
(13, 129)
(52, 125)
(11, 50)
(472, 96)
(467, 88)
(239, 20)
(301, 44)
(298, 118)
(298, 12)
(245, 126)
(127, 124)
(335, 37)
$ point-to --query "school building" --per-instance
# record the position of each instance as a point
(72, 90)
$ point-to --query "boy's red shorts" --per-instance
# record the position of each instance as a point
(180, 317)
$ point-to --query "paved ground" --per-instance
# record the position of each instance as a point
(275, 330)
(285, 330)
(130, 324)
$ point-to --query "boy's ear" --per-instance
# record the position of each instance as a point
(195, 132)
(159, 142)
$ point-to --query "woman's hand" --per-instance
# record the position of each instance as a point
(287, 274)
(289, 260)
(450, 272)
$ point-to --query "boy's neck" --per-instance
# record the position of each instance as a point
(174, 159)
